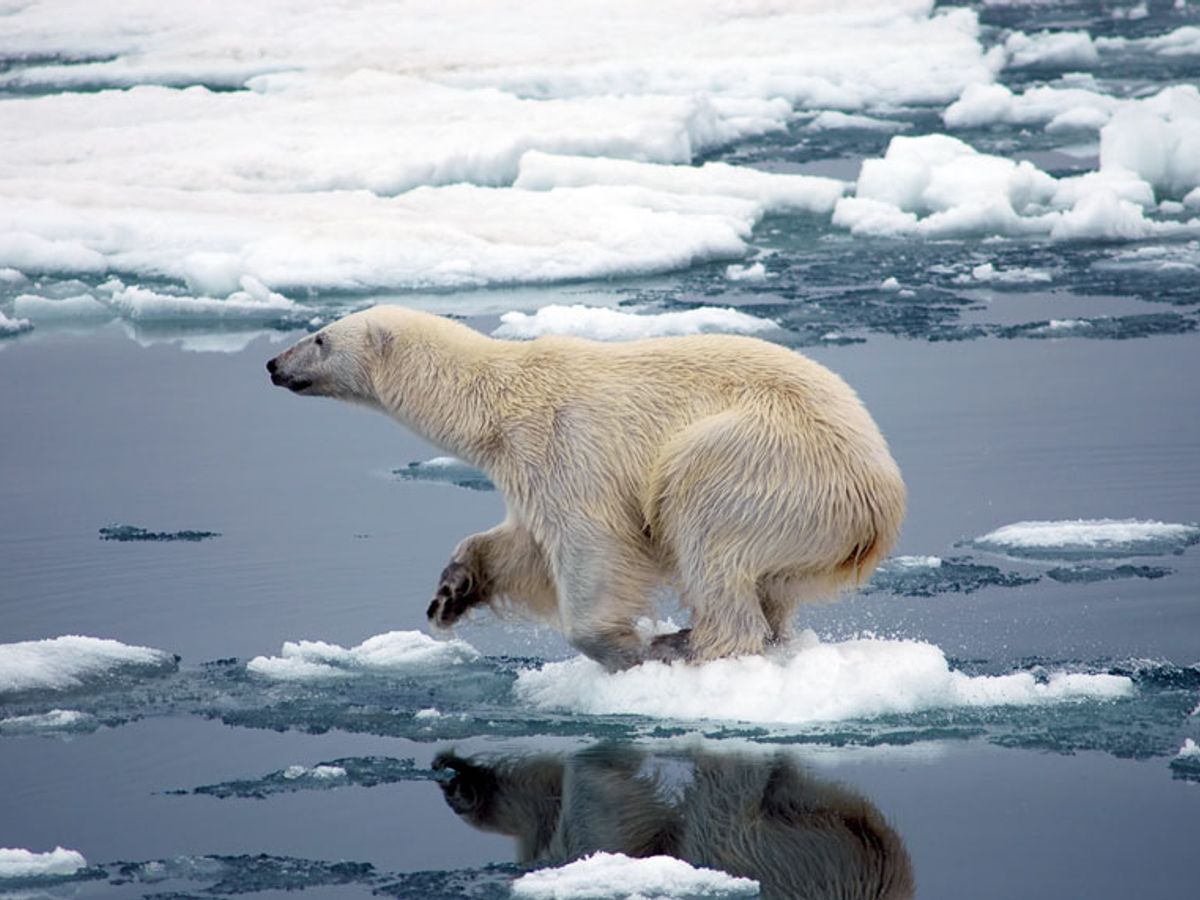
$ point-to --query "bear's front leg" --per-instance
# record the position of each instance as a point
(504, 561)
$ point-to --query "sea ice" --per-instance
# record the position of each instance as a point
(1051, 48)
(1189, 750)
(1089, 538)
(615, 875)
(393, 651)
(71, 661)
(809, 681)
(616, 325)
(753, 273)
(53, 721)
(10, 327)
(446, 470)
(18, 863)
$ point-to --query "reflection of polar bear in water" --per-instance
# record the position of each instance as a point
(759, 817)
(741, 474)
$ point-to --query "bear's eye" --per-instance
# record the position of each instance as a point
(319, 341)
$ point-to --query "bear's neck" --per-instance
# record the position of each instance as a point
(445, 383)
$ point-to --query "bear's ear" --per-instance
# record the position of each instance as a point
(379, 339)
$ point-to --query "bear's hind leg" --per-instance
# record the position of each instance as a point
(504, 561)
(603, 588)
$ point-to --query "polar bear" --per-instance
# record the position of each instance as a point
(739, 473)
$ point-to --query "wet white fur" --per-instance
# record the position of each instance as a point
(741, 474)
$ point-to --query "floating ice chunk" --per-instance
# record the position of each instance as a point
(1089, 538)
(891, 283)
(71, 661)
(989, 274)
(771, 192)
(53, 721)
(82, 307)
(17, 863)
(1158, 139)
(1051, 48)
(1189, 750)
(832, 120)
(319, 773)
(1183, 41)
(809, 681)
(916, 562)
(12, 276)
(430, 712)
(254, 303)
(614, 875)
(755, 272)
(1093, 574)
(31, 252)
(448, 470)
(11, 327)
(615, 325)
(393, 651)
(926, 576)
(985, 104)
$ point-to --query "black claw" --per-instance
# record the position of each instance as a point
(457, 591)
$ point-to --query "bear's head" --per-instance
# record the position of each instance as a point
(337, 361)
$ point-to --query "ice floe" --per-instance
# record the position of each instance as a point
(809, 681)
(615, 875)
(53, 721)
(1089, 538)
(393, 651)
(361, 771)
(753, 273)
(72, 661)
(446, 470)
(925, 576)
(1051, 48)
(11, 327)
(19, 863)
(132, 533)
(604, 324)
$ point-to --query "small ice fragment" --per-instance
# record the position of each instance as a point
(393, 651)
(1089, 538)
(754, 273)
(1189, 750)
(54, 720)
(71, 661)
(126, 533)
(891, 283)
(12, 327)
(18, 863)
(430, 712)
(446, 470)
(615, 875)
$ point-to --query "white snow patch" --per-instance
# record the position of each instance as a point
(603, 324)
(755, 272)
(1051, 48)
(1189, 750)
(832, 120)
(937, 186)
(988, 273)
(320, 773)
(1127, 537)
(395, 650)
(430, 712)
(615, 875)
(915, 562)
(17, 863)
(808, 681)
(70, 661)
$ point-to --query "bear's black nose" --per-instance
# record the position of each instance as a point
(272, 365)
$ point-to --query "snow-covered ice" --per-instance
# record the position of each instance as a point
(604, 324)
(753, 273)
(1089, 538)
(72, 661)
(393, 651)
(52, 721)
(602, 876)
(20, 863)
(10, 327)
(1189, 750)
(809, 681)
(319, 773)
